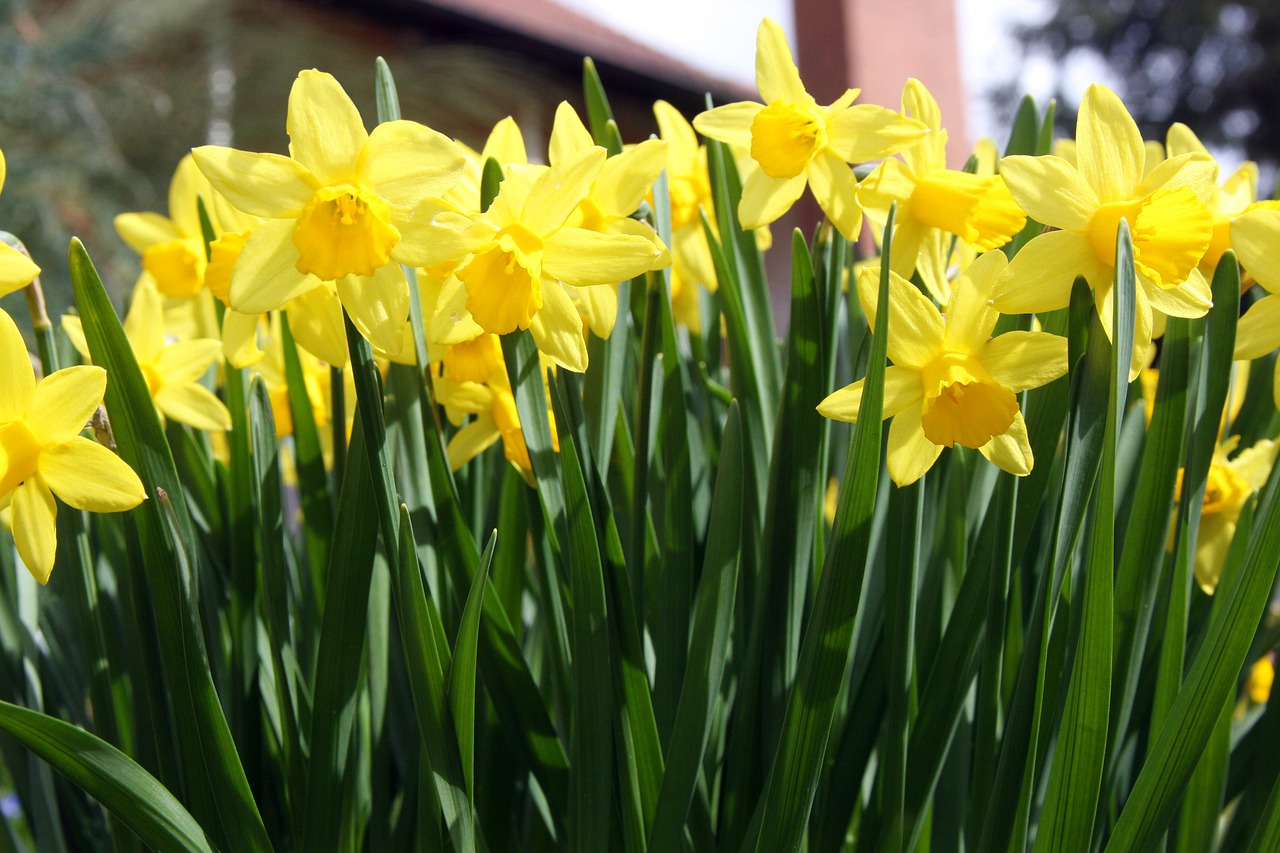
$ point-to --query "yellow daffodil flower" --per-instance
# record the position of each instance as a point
(1231, 483)
(172, 247)
(172, 370)
(951, 382)
(472, 380)
(520, 260)
(1262, 676)
(42, 453)
(795, 142)
(335, 208)
(1167, 216)
(935, 202)
(16, 269)
(615, 194)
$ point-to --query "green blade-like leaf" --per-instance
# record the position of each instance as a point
(109, 776)
(215, 783)
(712, 620)
(462, 669)
(824, 650)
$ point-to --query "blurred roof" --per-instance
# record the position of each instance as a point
(558, 36)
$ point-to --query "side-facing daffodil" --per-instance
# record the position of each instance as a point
(951, 382)
(935, 202)
(1231, 482)
(795, 142)
(16, 269)
(520, 259)
(1170, 225)
(335, 208)
(42, 453)
(172, 370)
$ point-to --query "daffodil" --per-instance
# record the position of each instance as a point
(1262, 675)
(1231, 482)
(935, 202)
(795, 142)
(172, 370)
(520, 261)
(472, 381)
(623, 182)
(172, 247)
(335, 209)
(16, 269)
(42, 453)
(1170, 225)
(951, 382)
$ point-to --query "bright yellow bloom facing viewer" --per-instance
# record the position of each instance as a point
(42, 453)
(335, 208)
(951, 382)
(796, 142)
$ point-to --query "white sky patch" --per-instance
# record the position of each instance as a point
(716, 36)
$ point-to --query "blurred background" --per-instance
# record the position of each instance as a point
(99, 99)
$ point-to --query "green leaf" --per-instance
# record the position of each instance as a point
(214, 781)
(462, 669)
(598, 112)
(709, 639)
(109, 776)
(824, 649)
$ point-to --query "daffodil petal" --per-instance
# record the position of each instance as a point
(583, 258)
(18, 378)
(187, 185)
(568, 134)
(902, 388)
(450, 322)
(970, 317)
(240, 339)
(557, 329)
(777, 77)
(143, 230)
(1197, 171)
(625, 180)
(470, 441)
(1022, 360)
(144, 323)
(675, 130)
(437, 233)
(63, 402)
(1255, 235)
(1050, 190)
(326, 132)
(915, 326)
(1258, 331)
(1010, 451)
(266, 274)
(868, 132)
(267, 185)
(909, 453)
(505, 143)
(1040, 276)
(598, 306)
(187, 361)
(1192, 298)
(194, 405)
(1143, 322)
(88, 476)
(1213, 540)
(1253, 464)
(406, 162)
(729, 123)
(1109, 150)
(315, 319)
(833, 185)
(764, 199)
(378, 305)
(16, 269)
(34, 530)
(560, 189)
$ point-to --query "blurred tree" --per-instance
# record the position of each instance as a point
(1211, 64)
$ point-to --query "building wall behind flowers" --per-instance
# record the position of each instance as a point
(101, 98)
